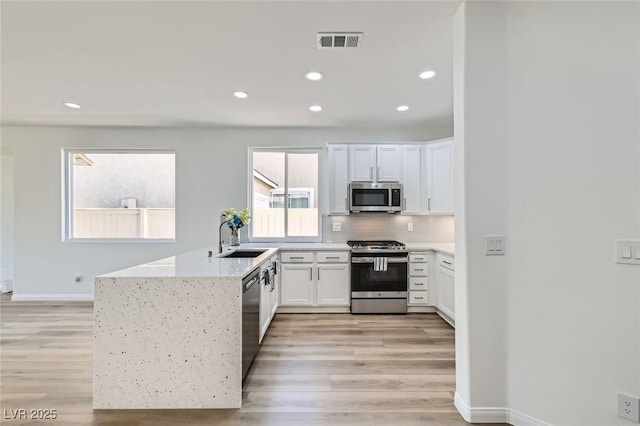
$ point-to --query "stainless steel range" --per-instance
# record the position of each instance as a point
(378, 277)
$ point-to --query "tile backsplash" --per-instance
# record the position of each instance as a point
(373, 226)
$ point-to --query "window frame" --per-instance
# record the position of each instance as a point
(318, 197)
(67, 193)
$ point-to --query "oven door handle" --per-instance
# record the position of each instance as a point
(370, 259)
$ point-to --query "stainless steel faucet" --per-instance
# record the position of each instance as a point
(233, 225)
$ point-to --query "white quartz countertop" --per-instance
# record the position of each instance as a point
(300, 246)
(446, 248)
(197, 263)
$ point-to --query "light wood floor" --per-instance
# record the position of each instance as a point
(311, 370)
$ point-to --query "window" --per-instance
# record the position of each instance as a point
(119, 194)
(280, 175)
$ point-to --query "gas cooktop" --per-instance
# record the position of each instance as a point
(370, 246)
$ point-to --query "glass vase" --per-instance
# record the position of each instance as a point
(235, 237)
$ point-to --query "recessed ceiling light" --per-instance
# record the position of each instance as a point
(314, 76)
(403, 108)
(240, 94)
(315, 108)
(72, 105)
(427, 74)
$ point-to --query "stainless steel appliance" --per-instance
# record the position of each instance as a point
(378, 277)
(250, 319)
(375, 197)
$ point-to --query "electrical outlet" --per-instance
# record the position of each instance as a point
(337, 227)
(410, 227)
(79, 278)
(629, 407)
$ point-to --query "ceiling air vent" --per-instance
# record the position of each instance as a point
(336, 40)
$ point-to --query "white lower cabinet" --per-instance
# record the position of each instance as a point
(333, 284)
(325, 282)
(297, 284)
(445, 285)
(268, 296)
(419, 294)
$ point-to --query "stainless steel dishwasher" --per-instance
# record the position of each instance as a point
(250, 319)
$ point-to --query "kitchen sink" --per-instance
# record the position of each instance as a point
(243, 253)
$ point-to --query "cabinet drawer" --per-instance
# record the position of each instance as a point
(447, 261)
(418, 283)
(296, 257)
(418, 269)
(418, 257)
(333, 257)
(418, 297)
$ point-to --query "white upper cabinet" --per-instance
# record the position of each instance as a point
(411, 181)
(338, 179)
(424, 169)
(375, 163)
(388, 163)
(363, 163)
(439, 169)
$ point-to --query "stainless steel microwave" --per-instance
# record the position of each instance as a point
(375, 197)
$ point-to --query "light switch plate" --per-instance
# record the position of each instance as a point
(494, 245)
(628, 251)
(410, 227)
(337, 227)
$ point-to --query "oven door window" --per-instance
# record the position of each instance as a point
(364, 278)
(370, 197)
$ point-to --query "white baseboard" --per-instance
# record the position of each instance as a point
(51, 297)
(495, 415)
(480, 414)
(314, 309)
(520, 419)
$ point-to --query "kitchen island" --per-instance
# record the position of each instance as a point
(168, 334)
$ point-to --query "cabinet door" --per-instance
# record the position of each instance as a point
(333, 284)
(388, 163)
(362, 162)
(440, 177)
(446, 292)
(265, 307)
(275, 294)
(411, 180)
(338, 179)
(296, 284)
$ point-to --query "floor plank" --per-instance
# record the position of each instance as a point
(312, 370)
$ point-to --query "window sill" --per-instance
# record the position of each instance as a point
(119, 240)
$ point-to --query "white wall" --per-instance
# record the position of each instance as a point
(6, 220)
(552, 160)
(211, 174)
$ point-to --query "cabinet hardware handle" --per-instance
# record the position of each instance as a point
(333, 257)
(404, 204)
(371, 172)
(346, 204)
(420, 269)
(318, 273)
(378, 173)
(419, 297)
(311, 274)
(297, 257)
(429, 204)
(448, 263)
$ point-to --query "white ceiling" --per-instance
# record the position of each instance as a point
(177, 63)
